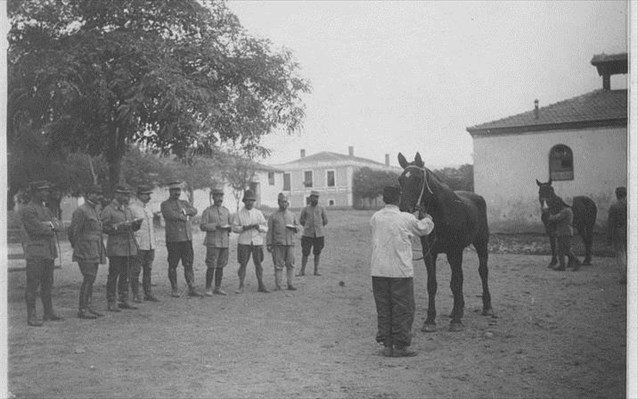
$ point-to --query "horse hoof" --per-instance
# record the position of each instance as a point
(429, 328)
(488, 312)
(456, 327)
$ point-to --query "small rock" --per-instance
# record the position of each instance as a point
(488, 334)
(342, 284)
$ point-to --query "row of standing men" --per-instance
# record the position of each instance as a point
(131, 244)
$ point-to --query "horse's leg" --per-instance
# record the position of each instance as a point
(588, 238)
(456, 284)
(481, 250)
(430, 322)
(552, 244)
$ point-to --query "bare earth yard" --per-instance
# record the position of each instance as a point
(556, 334)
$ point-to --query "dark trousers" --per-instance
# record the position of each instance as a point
(182, 250)
(39, 274)
(564, 248)
(244, 253)
(119, 270)
(89, 273)
(143, 264)
(394, 298)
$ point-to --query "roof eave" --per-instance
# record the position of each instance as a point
(500, 131)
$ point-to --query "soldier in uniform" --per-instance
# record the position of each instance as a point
(121, 247)
(85, 235)
(313, 218)
(39, 229)
(216, 223)
(145, 238)
(179, 238)
(280, 241)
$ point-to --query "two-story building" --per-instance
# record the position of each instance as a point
(328, 173)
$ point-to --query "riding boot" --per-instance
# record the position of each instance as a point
(260, 281)
(290, 272)
(219, 274)
(32, 319)
(210, 274)
(49, 314)
(172, 277)
(317, 265)
(278, 279)
(135, 290)
(304, 261)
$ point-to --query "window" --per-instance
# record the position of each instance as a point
(331, 202)
(271, 178)
(307, 178)
(561, 163)
(286, 181)
(330, 178)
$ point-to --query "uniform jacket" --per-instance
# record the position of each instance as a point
(213, 218)
(38, 237)
(313, 218)
(278, 233)
(121, 241)
(617, 223)
(85, 234)
(176, 214)
(563, 220)
(145, 236)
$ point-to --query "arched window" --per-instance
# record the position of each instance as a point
(561, 163)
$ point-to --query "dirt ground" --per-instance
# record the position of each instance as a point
(555, 334)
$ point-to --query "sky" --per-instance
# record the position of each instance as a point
(390, 77)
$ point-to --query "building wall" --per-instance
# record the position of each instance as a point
(506, 169)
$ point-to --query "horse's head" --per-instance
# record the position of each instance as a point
(545, 194)
(415, 187)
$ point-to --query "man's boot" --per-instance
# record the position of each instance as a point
(193, 292)
(304, 261)
(210, 273)
(135, 290)
(278, 279)
(317, 265)
(289, 274)
(49, 314)
(126, 305)
(219, 273)
(32, 319)
(260, 281)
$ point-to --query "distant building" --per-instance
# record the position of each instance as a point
(580, 143)
(327, 172)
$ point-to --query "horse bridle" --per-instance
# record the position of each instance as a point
(418, 206)
(423, 186)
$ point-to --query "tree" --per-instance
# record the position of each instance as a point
(238, 173)
(367, 183)
(461, 178)
(178, 76)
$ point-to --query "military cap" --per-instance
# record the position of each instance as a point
(40, 185)
(144, 189)
(282, 196)
(175, 185)
(314, 193)
(121, 189)
(249, 195)
(217, 190)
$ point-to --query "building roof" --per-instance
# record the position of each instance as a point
(599, 108)
(333, 158)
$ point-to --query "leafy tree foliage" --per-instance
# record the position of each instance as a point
(368, 183)
(177, 76)
(461, 178)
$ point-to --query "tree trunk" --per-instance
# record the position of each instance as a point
(114, 159)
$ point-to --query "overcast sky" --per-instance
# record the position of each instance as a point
(391, 77)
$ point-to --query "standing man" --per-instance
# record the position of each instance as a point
(145, 238)
(85, 235)
(179, 238)
(617, 231)
(121, 248)
(562, 216)
(282, 227)
(39, 237)
(393, 272)
(250, 223)
(216, 223)
(313, 218)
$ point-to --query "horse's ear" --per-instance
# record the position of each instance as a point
(538, 183)
(402, 161)
(418, 161)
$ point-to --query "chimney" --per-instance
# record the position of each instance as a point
(387, 159)
(610, 64)
(302, 153)
(351, 151)
(536, 108)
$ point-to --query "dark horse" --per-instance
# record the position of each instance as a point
(460, 219)
(584, 209)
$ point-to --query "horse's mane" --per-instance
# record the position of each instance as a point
(440, 180)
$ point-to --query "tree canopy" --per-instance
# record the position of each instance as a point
(177, 76)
